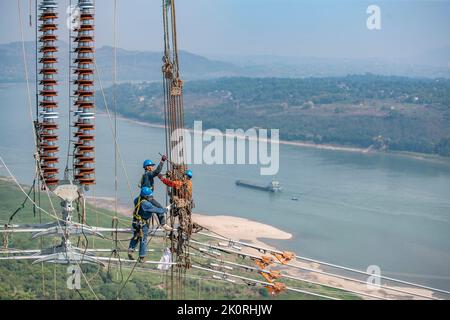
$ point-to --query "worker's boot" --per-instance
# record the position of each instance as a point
(167, 227)
(141, 259)
(130, 254)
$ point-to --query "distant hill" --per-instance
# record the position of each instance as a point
(433, 64)
(11, 61)
(437, 57)
(146, 65)
(367, 111)
(132, 65)
(138, 65)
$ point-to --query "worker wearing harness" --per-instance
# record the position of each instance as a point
(142, 214)
(149, 175)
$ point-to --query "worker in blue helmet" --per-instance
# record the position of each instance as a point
(183, 186)
(148, 178)
(142, 214)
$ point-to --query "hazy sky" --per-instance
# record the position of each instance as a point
(317, 28)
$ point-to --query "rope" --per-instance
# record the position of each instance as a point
(87, 282)
(37, 187)
(166, 53)
(96, 215)
(115, 253)
(43, 279)
(30, 15)
(126, 281)
(66, 170)
(124, 222)
(115, 103)
(6, 238)
(167, 115)
(174, 120)
(24, 192)
(54, 283)
(116, 182)
(132, 270)
(82, 220)
(97, 72)
(30, 108)
(25, 63)
(174, 37)
(22, 206)
(79, 293)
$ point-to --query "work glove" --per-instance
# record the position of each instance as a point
(160, 176)
(163, 158)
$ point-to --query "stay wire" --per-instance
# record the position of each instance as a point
(22, 206)
(134, 267)
(115, 104)
(97, 72)
(66, 170)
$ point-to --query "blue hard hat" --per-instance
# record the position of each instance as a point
(146, 192)
(188, 173)
(148, 163)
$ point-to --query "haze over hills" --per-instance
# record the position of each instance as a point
(132, 65)
(432, 63)
(146, 65)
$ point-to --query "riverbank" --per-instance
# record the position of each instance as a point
(304, 144)
(241, 229)
(228, 226)
(285, 142)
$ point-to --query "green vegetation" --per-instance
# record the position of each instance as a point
(23, 280)
(367, 111)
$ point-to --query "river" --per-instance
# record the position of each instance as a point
(353, 209)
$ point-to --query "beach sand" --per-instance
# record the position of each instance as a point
(241, 229)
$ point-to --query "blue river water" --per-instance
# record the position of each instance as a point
(353, 209)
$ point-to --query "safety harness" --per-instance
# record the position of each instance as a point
(138, 234)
